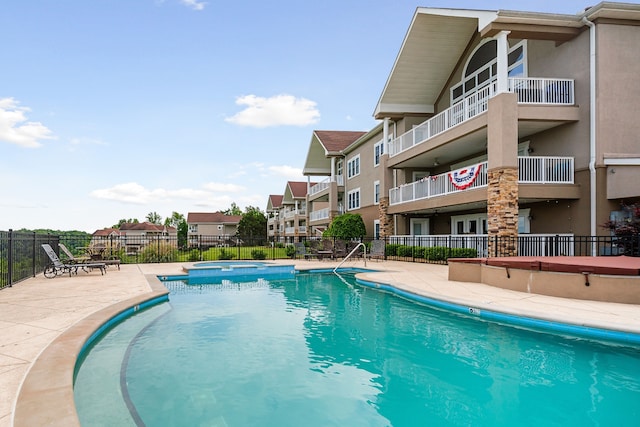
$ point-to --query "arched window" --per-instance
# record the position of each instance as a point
(481, 68)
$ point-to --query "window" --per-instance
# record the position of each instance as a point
(376, 192)
(481, 68)
(353, 167)
(353, 199)
(378, 151)
(376, 228)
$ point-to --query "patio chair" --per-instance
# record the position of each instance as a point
(340, 249)
(57, 267)
(377, 249)
(75, 260)
(301, 250)
(71, 259)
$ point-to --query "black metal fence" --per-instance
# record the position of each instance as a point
(21, 255)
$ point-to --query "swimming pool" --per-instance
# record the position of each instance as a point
(312, 348)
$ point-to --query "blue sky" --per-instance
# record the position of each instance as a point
(112, 109)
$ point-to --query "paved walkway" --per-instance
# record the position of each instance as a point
(39, 311)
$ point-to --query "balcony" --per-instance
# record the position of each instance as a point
(539, 91)
(531, 170)
(326, 183)
(319, 214)
(292, 213)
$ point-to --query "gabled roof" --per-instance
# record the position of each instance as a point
(295, 190)
(145, 226)
(212, 217)
(437, 40)
(105, 232)
(274, 202)
(324, 145)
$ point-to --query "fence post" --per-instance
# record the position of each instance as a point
(10, 258)
(33, 255)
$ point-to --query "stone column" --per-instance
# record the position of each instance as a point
(502, 175)
(386, 181)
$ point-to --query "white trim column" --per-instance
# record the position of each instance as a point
(333, 169)
(503, 62)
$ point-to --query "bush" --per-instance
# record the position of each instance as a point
(391, 249)
(158, 252)
(225, 254)
(194, 255)
(290, 250)
(404, 251)
(258, 254)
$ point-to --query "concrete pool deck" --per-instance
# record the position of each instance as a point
(44, 320)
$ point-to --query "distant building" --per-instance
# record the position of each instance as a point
(211, 228)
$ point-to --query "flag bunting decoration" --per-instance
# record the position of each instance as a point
(463, 178)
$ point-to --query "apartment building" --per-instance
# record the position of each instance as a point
(274, 228)
(326, 158)
(211, 228)
(506, 123)
(494, 124)
(287, 213)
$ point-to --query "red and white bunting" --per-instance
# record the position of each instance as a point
(463, 178)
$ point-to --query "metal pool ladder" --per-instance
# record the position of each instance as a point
(364, 248)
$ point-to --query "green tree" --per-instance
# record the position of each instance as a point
(178, 221)
(154, 218)
(233, 210)
(346, 226)
(253, 225)
(126, 221)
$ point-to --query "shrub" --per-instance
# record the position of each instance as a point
(404, 251)
(225, 254)
(391, 249)
(290, 250)
(258, 254)
(194, 255)
(158, 252)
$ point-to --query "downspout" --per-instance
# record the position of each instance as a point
(592, 125)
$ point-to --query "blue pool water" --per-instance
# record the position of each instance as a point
(315, 349)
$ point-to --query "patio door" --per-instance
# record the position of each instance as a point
(419, 226)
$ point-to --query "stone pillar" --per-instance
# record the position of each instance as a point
(386, 181)
(502, 175)
(386, 220)
(502, 211)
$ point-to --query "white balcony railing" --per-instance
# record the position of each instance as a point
(292, 213)
(319, 214)
(531, 170)
(326, 183)
(528, 244)
(529, 90)
(290, 230)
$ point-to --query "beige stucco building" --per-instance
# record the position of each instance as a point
(496, 124)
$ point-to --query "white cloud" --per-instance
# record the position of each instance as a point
(15, 129)
(194, 4)
(279, 110)
(132, 192)
(288, 172)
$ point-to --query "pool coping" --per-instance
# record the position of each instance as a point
(46, 394)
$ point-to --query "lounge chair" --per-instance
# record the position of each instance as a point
(57, 267)
(75, 260)
(71, 259)
(377, 249)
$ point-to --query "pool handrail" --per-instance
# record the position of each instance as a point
(364, 247)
